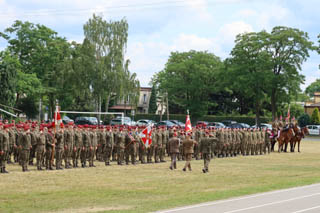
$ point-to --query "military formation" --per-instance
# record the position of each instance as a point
(71, 146)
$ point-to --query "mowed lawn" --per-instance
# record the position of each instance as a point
(151, 187)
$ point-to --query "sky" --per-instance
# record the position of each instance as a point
(159, 27)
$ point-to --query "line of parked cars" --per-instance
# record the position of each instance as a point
(313, 129)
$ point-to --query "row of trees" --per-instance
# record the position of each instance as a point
(261, 76)
(38, 64)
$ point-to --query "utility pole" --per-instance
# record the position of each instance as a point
(40, 107)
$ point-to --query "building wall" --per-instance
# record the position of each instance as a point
(144, 100)
(310, 110)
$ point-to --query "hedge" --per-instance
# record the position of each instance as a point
(210, 118)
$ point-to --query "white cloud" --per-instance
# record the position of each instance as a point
(228, 32)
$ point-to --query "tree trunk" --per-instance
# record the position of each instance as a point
(257, 113)
(273, 104)
(99, 110)
(107, 102)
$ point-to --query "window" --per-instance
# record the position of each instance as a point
(144, 98)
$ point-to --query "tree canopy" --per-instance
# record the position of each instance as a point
(189, 78)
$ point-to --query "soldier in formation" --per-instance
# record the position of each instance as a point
(69, 145)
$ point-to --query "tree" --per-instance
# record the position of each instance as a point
(315, 117)
(189, 78)
(289, 48)
(109, 40)
(313, 87)
(304, 120)
(296, 110)
(41, 53)
(9, 66)
(249, 65)
(153, 101)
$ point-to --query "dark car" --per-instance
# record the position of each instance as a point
(178, 123)
(166, 123)
(216, 125)
(228, 122)
(86, 120)
(238, 126)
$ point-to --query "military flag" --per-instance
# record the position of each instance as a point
(188, 127)
(146, 137)
(57, 118)
(288, 114)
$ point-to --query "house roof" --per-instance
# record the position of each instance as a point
(312, 105)
(121, 107)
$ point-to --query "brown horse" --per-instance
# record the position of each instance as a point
(298, 137)
(285, 138)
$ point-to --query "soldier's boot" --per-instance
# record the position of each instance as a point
(92, 164)
(3, 170)
(26, 169)
(204, 170)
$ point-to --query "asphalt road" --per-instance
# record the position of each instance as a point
(294, 200)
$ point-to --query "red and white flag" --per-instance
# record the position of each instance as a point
(57, 118)
(188, 126)
(288, 114)
(146, 136)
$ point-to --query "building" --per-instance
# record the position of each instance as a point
(309, 107)
(141, 108)
(144, 100)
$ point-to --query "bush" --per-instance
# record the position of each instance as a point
(315, 117)
(304, 120)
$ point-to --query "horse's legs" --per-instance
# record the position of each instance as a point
(279, 146)
(299, 145)
(285, 146)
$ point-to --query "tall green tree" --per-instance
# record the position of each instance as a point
(110, 41)
(313, 87)
(289, 48)
(248, 69)
(41, 52)
(9, 67)
(189, 78)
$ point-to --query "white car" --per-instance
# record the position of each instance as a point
(314, 129)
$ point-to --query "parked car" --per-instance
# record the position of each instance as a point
(263, 126)
(205, 123)
(238, 126)
(86, 120)
(126, 121)
(145, 122)
(245, 125)
(67, 120)
(314, 129)
(216, 125)
(228, 122)
(178, 123)
(166, 123)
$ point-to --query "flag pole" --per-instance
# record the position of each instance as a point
(54, 135)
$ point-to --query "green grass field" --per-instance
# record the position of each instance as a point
(151, 187)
